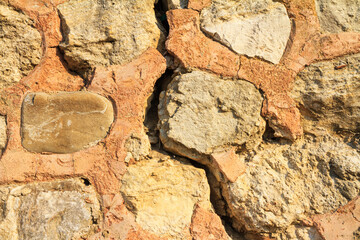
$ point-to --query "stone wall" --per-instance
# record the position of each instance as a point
(180, 119)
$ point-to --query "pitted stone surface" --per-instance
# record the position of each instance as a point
(64, 122)
(20, 46)
(284, 184)
(253, 28)
(330, 93)
(63, 209)
(162, 192)
(201, 112)
(339, 16)
(107, 32)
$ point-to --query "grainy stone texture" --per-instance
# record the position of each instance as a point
(162, 192)
(20, 45)
(3, 136)
(329, 94)
(254, 28)
(63, 209)
(201, 112)
(339, 16)
(107, 32)
(298, 232)
(64, 122)
(287, 183)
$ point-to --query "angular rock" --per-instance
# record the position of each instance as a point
(201, 112)
(20, 46)
(107, 32)
(63, 209)
(253, 28)
(64, 122)
(284, 184)
(162, 192)
(329, 95)
(339, 16)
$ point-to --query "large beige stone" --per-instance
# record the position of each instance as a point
(162, 192)
(64, 122)
(284, 184)
(201, 113)
(20, 45)
(253, 28)
(107, 32)
(63, 209)
(339, 16)
(328, 93)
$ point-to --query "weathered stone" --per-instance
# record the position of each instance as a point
(63, 209)
(174, 4)
(20, 45)
(207, 225)
(3, 136)
(254, 28)
(297, 232)
(198, 4)
(64, 122)
(201, 112)
(339, 16)
(162, 192)
(284, 184)
(107, 32)
(344, 224)
(229, 164)
(329, 94)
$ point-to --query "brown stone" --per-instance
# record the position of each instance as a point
(64, 122)
(207, 225)
(198, 4)
(229, 164)
(344, 224)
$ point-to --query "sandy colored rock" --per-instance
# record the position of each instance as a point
(199, 4)
(162, 193)
(201, 112)
(20, 46)
(252, 28)
(298, 232)
(63, 209)
(64, 122)
(3, 136)
(107, 33)
(287, 183)
(339, 16)
(329, 94)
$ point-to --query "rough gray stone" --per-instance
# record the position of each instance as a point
(253, 28)
(20, 46)
(339, 16)
(284, 184)
(63, 209)
(107, 32)
(328, 97)
(201, 112)
(64, 122)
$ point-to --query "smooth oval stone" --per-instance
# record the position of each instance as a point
(64, 122)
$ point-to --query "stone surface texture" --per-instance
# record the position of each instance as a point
(251, 28)
(195, 121)
(64, 122)
(162, 192)
(339, 16)
(63, 209)
(102, 33)
(329, 94)
(3, 135)
(288, 183)
(20, 45)
(174, 4)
